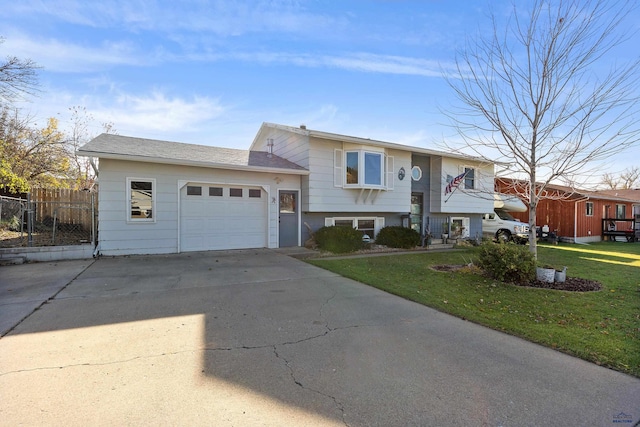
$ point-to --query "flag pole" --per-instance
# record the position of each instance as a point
(456, 187)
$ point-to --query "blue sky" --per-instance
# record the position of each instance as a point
(210, 72)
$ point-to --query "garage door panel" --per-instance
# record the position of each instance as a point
(223, 222)
(192, 225)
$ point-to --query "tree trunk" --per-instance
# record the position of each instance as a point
(533, 206)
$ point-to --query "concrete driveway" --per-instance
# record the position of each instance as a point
(255, 337)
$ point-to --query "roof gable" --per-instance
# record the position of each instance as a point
(358, 140)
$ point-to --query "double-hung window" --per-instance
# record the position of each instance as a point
(141, 199)
(364, 169)
(469, 178)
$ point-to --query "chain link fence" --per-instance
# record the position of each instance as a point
(47, 218)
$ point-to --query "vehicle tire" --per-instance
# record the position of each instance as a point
(503, 236)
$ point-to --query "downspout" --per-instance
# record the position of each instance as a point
(94, 237)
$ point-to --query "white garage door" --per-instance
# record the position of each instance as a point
(214, 217)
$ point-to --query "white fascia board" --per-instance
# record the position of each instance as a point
(393, 146)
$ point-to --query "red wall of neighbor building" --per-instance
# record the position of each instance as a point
(563, 215)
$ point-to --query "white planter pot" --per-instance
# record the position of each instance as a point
(545, 274)
(561, 276)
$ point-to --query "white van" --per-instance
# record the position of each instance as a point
(500, 225)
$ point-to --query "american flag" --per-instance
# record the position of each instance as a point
(454, 183)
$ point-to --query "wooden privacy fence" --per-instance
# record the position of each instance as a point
(49, 217)
(60, 204)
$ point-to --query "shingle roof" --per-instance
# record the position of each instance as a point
(367, 141)
(575, 193)
(156, 151)
(631, 194)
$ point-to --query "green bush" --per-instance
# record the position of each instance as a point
(338, 240)
(398, 237)
(507, 262)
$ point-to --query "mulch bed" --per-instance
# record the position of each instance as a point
(573, 284)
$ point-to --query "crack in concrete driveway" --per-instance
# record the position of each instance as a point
(232, 338)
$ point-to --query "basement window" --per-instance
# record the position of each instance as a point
(369, 226)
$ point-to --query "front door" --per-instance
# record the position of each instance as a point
(416, 212)
(288, 217)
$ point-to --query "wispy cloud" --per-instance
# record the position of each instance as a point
(364, 62)
(59, 56)
(158, 112)
(153, 113)
(219, 17)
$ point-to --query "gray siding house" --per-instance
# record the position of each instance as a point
(167, 197)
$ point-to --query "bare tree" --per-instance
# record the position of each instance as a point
(536, 100)
(627, 180)
(85, 168)
(17, 78)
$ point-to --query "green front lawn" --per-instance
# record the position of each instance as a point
(602, 327)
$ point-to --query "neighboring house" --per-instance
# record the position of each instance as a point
(580, 216)
(164, 197)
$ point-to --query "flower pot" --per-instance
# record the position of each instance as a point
(545, 274)
(561, 276)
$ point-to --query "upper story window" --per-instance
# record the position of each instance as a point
(364, 169)
(141, 199)
(469, 178)
(353, 171)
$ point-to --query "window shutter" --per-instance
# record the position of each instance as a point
(390, 179)
(338, 172)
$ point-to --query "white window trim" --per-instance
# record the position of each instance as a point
(378, 222)
(419, 170)
(385, 163)
(466, 223)
(154, 212)
(586, 213)
(463, 184)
